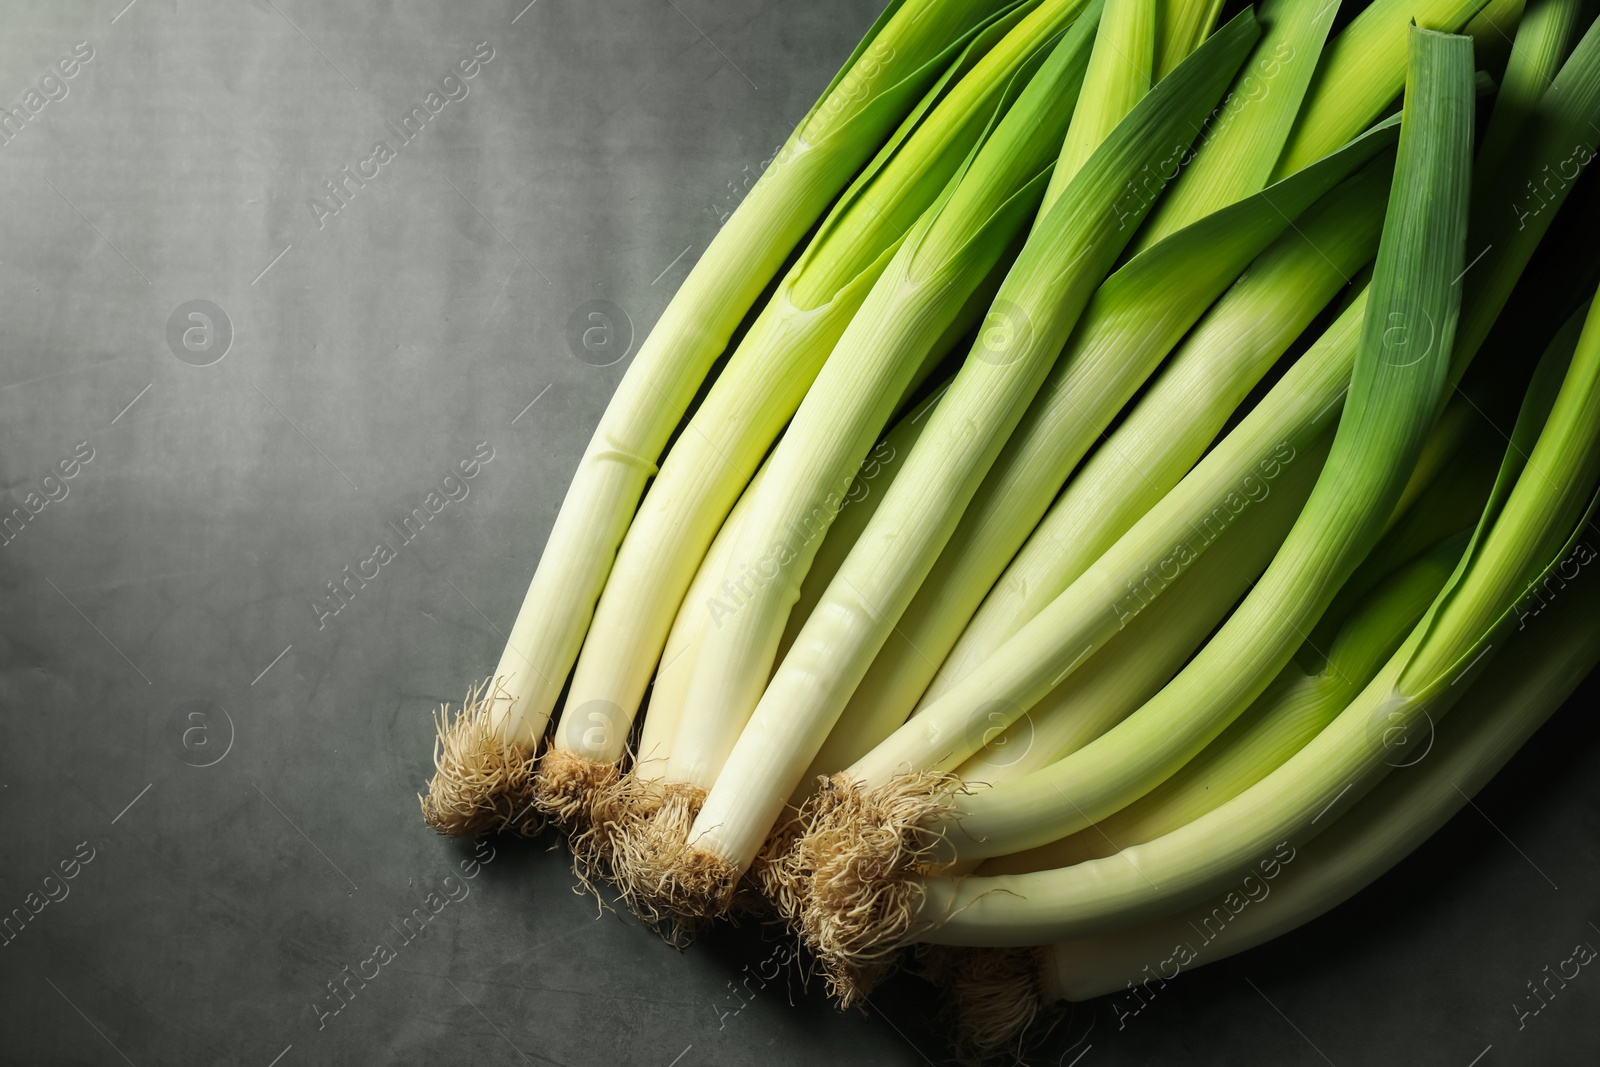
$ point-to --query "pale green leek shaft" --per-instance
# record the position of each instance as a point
(1497, 715)
(943, 260)
(1037, 306)
(891, 70)
(1530, 536)
(1402, 366)
(1288, 714)
(1187, 405)
(768, 375)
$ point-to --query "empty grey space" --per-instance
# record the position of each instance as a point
(229, 766)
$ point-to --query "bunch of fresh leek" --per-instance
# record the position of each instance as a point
(1208, 511)
(484, 755)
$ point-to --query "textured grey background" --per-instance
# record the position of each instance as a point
(158, 617)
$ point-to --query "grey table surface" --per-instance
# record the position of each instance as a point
(233, 769)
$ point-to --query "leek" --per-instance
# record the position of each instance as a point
(1039, 302)
(1360, 73)
(615, 804)
(1002, 992)
(483, 756)
(1171, 426)
(878, 472)
(758, 391)
(1181, 26)
(1491, 30)
(1531, 527)
(1545, 35)
(1394, 393)
(1133, 666)
(1246, 133)
(1289, 713)
(1118, 76)
(941, 261)
(1398, 379)
(1133, 321)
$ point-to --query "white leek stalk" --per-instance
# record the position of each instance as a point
(878, 472)
(1002, 992)
(613, 806)
(1038, 304)
(759, 390)
(1531, 528)
(1397, 382)
(483, 757)
(943, 259)
(1129, 326)
(1188, 404)
(1289, 713)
